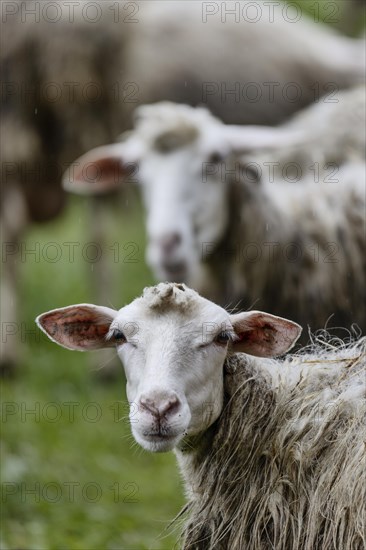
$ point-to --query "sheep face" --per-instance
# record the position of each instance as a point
(186, 212)
(173, 365)
(173, 344)
(176, 151)
(183, 158)
(184, 195)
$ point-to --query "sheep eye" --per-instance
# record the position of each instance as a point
(222, 338)
(118, 336)
(215, 158)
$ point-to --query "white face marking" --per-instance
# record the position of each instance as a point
(174, 370)
(183, 213)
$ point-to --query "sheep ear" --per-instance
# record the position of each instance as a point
(262, 334)
(82, 327)
(99, 171)
(242, 139)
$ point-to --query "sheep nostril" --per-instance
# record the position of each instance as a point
(149, 405)
(170, 242)
(170, 406)
(160, 408)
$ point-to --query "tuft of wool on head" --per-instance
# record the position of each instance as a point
(170, 296)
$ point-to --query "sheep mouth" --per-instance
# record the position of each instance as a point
(159, 443)
(175, 270)
(159, 436)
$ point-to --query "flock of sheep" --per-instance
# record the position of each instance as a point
(254, 204)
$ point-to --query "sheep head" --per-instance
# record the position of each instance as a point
(173, 344)
(183, 159)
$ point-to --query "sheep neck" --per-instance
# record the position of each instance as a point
(225, 264)
(279, 471)
(195, 455)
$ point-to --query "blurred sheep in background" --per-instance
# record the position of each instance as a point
(71, 83)
(214, 221)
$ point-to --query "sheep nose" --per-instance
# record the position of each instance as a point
(160, 407)
(169, 242)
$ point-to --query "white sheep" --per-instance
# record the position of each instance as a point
(234, 233)
(297, 58)
(272, 451)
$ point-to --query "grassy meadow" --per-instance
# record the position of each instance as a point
(72, 477)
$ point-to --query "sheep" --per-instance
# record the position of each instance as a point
(61, 97)
(50, 72)
(237, 234)
(272, 451)
(296, 59)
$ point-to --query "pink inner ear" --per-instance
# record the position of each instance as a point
(264, 335)
(259, 341)
(258, 329)
(105, 172)
(76, 329)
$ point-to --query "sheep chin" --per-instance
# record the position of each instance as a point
(156, 443)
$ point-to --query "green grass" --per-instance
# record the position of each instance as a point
(344, 15)
(94, 488)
